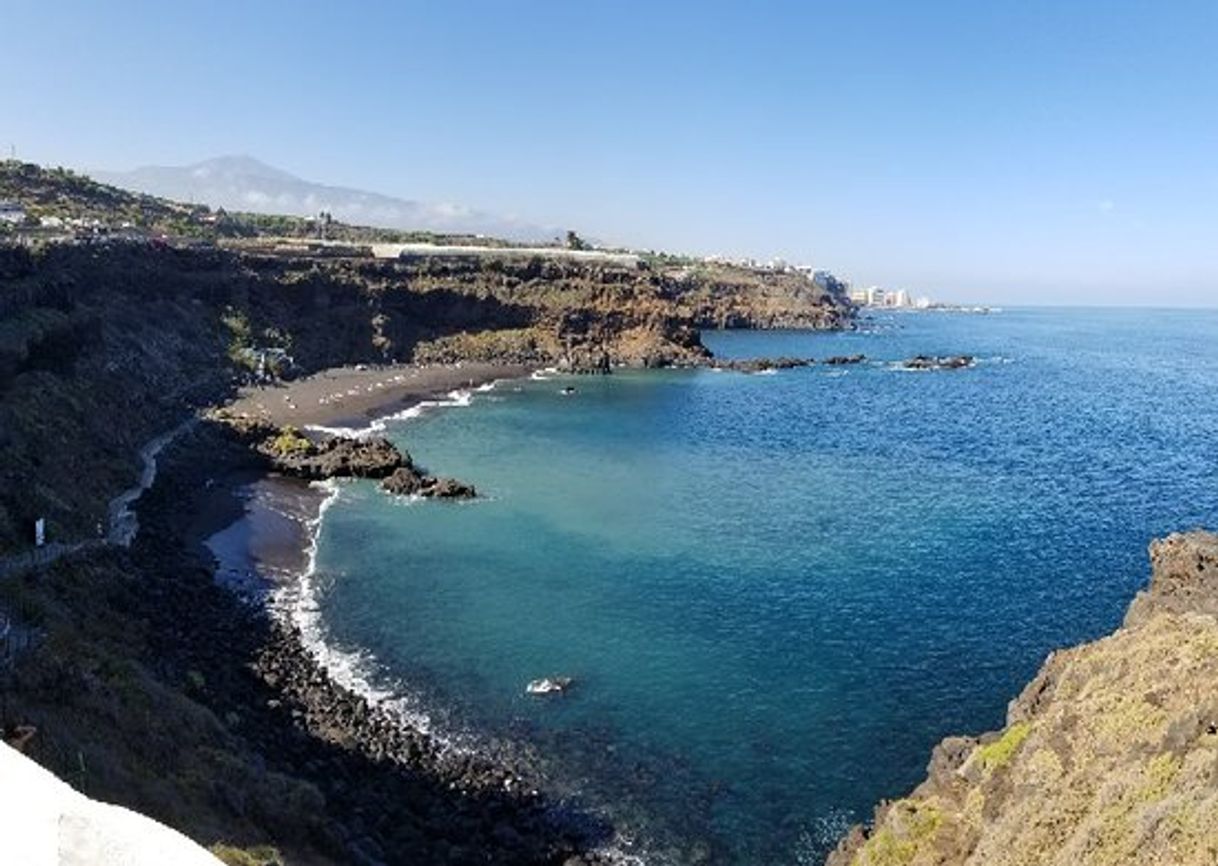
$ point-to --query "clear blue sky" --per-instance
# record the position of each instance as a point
(1002, 151)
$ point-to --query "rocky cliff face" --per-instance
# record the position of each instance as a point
(1109, 756)
(103, 346)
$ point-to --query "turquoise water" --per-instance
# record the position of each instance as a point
(778, 592)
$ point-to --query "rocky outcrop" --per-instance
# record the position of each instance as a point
(761, 365)
(1184, 579)
(408, 481)
(943, 362)
(1109, 756)
(319, 458)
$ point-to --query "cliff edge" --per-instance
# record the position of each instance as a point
(1109, 756)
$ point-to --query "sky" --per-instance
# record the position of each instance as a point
(1008, 151)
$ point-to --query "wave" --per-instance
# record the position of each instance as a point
(299, 603)
(458, 397)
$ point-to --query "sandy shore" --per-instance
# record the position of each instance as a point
(263, 540)
(352, 396)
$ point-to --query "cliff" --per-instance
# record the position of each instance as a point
(150, 685)
(104, 345)
(1109, 756)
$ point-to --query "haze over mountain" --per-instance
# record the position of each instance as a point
(242, 183)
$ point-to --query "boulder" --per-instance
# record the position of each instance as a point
(448, 488)
(403, 482)
(408, 481)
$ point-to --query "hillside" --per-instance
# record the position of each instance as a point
(1109, 756)
(81, 202)
(244, 184)
(147, 683)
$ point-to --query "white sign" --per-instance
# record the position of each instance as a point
(40, 532)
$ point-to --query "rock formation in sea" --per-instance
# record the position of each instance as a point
(324, 456)
(944, 362)
(1109, 756)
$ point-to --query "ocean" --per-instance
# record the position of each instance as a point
(775, 592)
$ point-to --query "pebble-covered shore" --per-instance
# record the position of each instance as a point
(392, 794)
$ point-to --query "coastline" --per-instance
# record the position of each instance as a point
(260, 533)
(394, 791)
(353, 397)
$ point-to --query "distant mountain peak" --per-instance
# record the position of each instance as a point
(244, 183)
(238, 164)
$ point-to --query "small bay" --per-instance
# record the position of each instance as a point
(777, 592)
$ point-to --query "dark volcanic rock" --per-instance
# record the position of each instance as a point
(403, 482)
(448, 488)
(340, 457)
(759, 365)
(837, 360)
(408, 481)
(945, 362)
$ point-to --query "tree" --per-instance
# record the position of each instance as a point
(575, 242)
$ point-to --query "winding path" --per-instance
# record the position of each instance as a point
(122, 522)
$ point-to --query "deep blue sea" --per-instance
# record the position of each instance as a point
(777, 592)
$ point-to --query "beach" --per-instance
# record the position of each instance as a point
(353, 396)
(389, 783)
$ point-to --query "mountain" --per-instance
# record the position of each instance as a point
(242, 183)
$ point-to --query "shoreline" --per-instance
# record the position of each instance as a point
(355, 397)
(369, 786)
(260, 531)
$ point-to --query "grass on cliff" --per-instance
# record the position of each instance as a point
(996, 755)
(910, 826)
(262, 855)
(522, 345)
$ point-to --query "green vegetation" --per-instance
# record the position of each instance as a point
(240, 344)
(996, 755)
(1159, 775)
(519, 345)
(912, 824)
(660, 260)
(261, 855)
(60, 192)
(289, 442)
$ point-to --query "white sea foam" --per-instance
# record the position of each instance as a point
(459, 397)
(298, 602)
